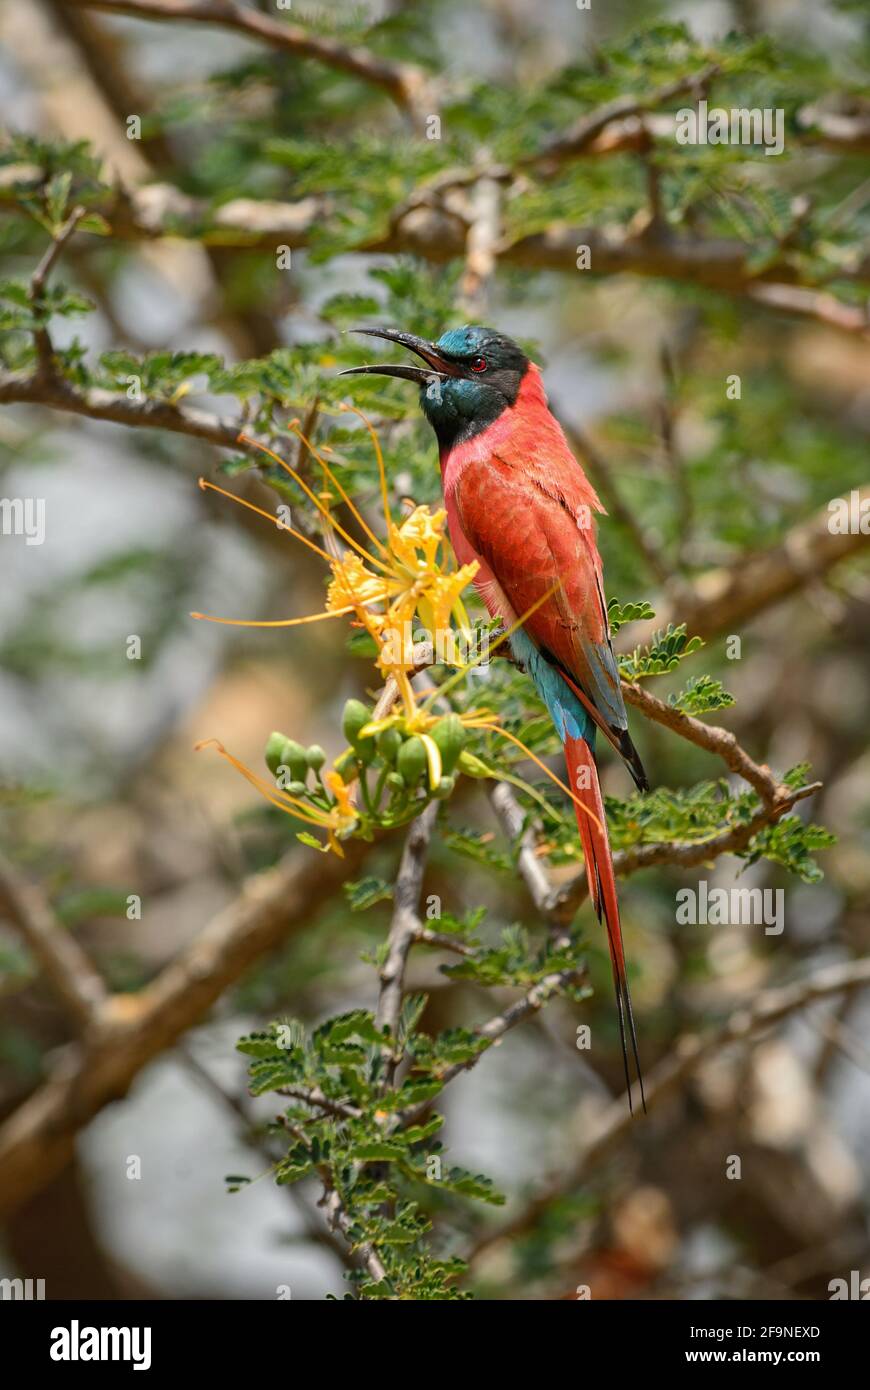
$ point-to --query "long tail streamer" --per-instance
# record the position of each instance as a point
(592, 824)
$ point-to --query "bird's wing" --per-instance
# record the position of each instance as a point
(535, 536)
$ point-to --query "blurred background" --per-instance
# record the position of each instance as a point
(102, 796)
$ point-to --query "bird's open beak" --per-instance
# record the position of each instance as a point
(437, 365)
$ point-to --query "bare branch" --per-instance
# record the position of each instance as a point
(403, 82)
(533, 872)
(581, 137)
(404, 929)
(37, 1140)
(495, 1029)
(319, 1101)
(723, 599)
(835, 130)
(814, 304)
(443, 941)
(437, 230)
(75, 982)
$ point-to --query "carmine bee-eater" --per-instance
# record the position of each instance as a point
(519, 503)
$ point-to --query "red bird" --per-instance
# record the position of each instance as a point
(519, 504)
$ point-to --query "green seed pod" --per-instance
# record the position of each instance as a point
(347, 766)
(445, 787)
(355, 715)
(396, 781)
(315, 757)
(274, 749)
(294, 759)
(296, 788)
(411, 761)
(388, 743)
(450, 736)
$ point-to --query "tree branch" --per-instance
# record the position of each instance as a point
(712, 739)
(257, 1141)
(338, 1220)
(435, 226)
(37, 1140)
(404, 83)
(582, 135)
(723, 599)
(713, 603)
(776, 800)
(480, 252)
(75, 982)
(404, 929)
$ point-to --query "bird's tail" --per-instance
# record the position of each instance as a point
(592, 823)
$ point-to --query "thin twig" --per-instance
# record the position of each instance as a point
(495, 1029)
(251, 1135)
(404, 928)
(339, 1220)
(75, 982)
(36, 292)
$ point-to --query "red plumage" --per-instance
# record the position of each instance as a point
(519, 503)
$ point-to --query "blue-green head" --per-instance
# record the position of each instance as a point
(472, 375)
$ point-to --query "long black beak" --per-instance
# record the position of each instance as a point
(437, 365)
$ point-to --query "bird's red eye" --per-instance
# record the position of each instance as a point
(478, 364)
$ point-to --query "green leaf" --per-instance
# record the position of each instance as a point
(701, 695)
(366, 892)
(664, 652)
(618, 614)
(57, 195)
(377, 1150)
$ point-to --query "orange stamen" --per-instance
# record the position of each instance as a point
(275, 520)
(382, 472)
(505, 733)
(284, 802)
(354, 510)
(312, 497)
(278, 622)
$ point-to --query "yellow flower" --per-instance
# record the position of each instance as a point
(407, 576)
